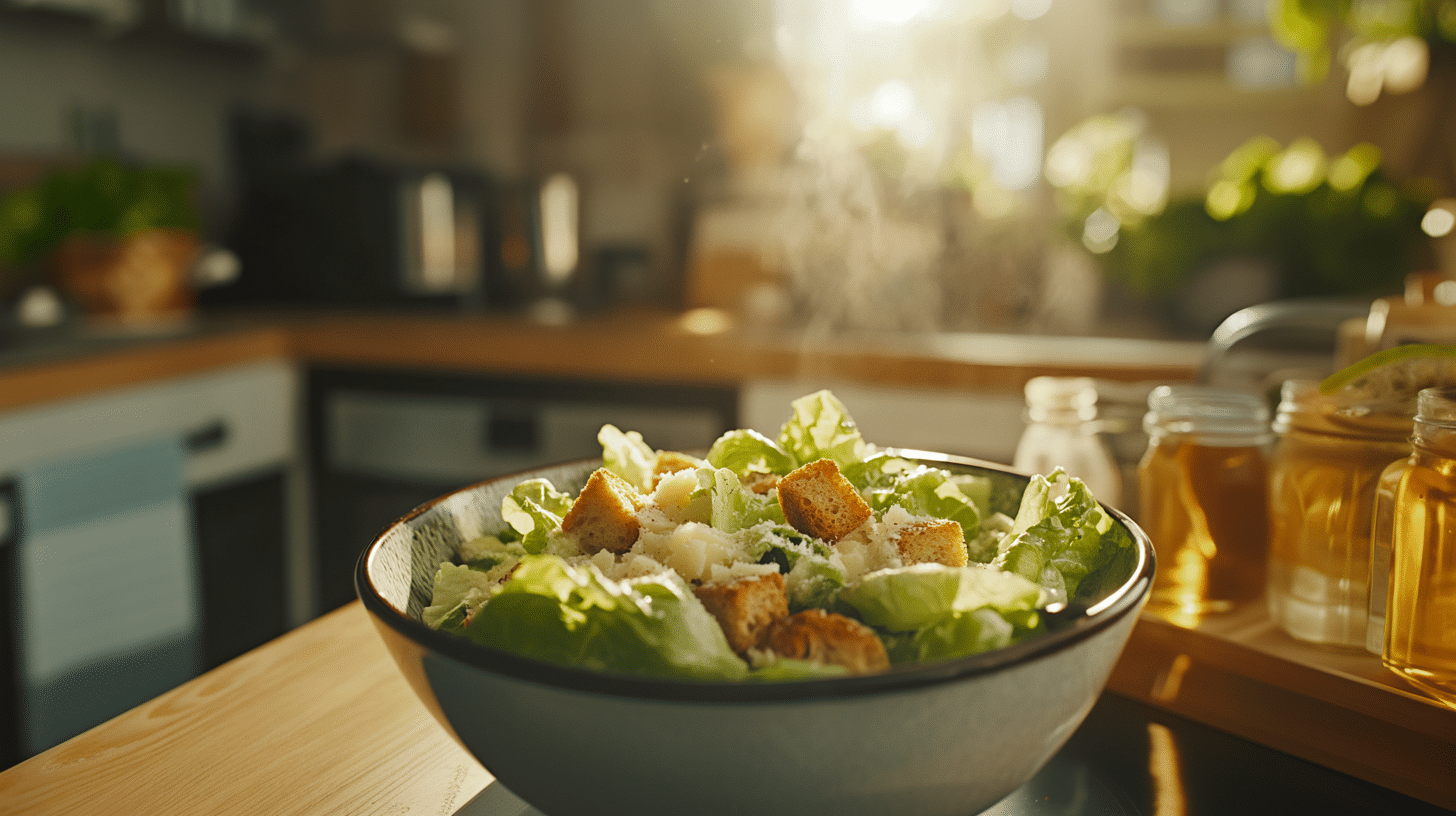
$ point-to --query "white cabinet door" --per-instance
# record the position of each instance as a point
(108, 582)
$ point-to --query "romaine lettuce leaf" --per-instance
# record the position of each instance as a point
(775, 669)
(533, 509)
(574, 615)
(956, 635)
(1057, 542)
(628, 456)
(458, 590)
(977, 490)
(927, 491)
(488, 552)
(906, 599)
(735, 507)
(745, 451)
(821, 428)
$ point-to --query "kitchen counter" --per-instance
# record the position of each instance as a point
(624, 346)
(320, 721)
(317, 721)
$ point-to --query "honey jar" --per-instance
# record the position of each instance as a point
(1203, 499)
(1323, 474)
(1420, 610)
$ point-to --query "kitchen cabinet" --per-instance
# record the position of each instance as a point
(148, 541)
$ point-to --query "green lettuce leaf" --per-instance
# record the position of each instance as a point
(575, 616)
(776, 669)
(747, 451)
(821, 428)
(927, 491)
(812, 570)
(735, 507)
(459, 590)
(628, 456)
(956, 635)
(489, 552)
(1059, 541)
(906, 599)
(533, 509)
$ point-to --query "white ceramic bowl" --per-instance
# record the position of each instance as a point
(951, 737)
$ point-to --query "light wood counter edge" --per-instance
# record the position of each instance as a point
(30, 384)
(318, 721)
(650, 347)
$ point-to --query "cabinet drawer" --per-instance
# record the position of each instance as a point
(237, 421)
(456, 439)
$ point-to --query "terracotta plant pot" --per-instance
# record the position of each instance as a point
(138, 279)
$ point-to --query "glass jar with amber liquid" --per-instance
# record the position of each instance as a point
(1203, 488)
(1322, 484)
(1420, 610)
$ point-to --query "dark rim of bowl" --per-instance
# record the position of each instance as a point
(1120, 602)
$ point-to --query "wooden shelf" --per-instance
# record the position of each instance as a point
(1342, 709)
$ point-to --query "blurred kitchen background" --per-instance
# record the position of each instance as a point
(948, 179)
(1124, 167)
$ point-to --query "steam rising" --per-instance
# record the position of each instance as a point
(901, 209)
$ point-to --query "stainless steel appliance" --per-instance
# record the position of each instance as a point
(362, 231)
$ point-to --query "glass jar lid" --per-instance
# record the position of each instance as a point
(1302, 405)
(1219, 415)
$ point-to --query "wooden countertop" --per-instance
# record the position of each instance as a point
(632, 346)
(318, 721)
(1339, 708)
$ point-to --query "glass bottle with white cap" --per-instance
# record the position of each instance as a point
(1062, 431)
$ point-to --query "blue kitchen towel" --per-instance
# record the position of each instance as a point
(109, 608)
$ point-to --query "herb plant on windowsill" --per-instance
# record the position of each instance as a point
(1316, 226)
(115, 238)
(1330, 227)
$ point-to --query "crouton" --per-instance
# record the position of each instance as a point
(829, 638)
(745, 607)
(671, 462)
(817, 500)
(760, 482)
(604, 516)
(934, 540)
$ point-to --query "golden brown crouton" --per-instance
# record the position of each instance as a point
(940, 541)
(671, 462)
(760, 482)
(830, 638)
(746, 607)
(818, 501)
(604, 516)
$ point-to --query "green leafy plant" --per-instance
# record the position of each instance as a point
(1317, 29)
(1332, 226)
(103, 197)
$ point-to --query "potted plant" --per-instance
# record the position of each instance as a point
(117, 239)
(1274, 222)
